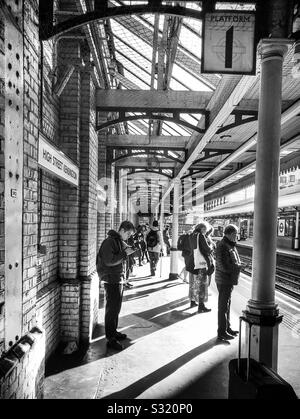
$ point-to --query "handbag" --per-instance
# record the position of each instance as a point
(199, 260)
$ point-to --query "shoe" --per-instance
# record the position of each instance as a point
(223, 340)
(114, 344)
(152, 273)
(232, 332)
(193, 304)
(225, 336)
(120, 336)
(203, 309)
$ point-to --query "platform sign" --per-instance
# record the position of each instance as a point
(57, 163)
(229, 43)
(281, 227)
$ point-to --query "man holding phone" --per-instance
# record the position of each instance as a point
(111, 260)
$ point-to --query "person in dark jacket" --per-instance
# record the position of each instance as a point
(111, 261)
(228, 267)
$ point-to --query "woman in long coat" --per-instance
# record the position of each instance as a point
(198, 269)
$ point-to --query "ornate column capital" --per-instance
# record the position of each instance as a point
(273, 47)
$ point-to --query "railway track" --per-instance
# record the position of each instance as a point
(286, 281)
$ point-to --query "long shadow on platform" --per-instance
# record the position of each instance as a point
(212, 384)
(147, 284)
(128, 297)
(59, 362)
(137, 388)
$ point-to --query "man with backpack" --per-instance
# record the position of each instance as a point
(111, 260)
(154, 242)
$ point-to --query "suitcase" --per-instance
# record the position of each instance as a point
(249, 379)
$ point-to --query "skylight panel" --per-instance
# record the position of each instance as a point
(131, 39)
(148, 18)
(190, 81)
(134, 129)
(178, 128)
(190, 119)
(135, 80)
(164, 131)
(195, 24)
(190, 41)
(135, 56)
(172, 154)
(175, 85)
(141, 74)
(193, 5)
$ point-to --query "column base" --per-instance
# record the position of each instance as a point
(264, 335)
(172, 277)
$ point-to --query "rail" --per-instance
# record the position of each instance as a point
(285, 281)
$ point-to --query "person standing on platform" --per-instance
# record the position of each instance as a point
(212, 245)
(202, 265)
(143, 244)
(155, 245)
(228, 268)
(166, 237)
(111, 261)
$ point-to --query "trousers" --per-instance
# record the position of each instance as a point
(113, 296)
(154, 258)
(224, 302)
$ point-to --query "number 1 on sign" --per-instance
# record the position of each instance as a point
(229, 47)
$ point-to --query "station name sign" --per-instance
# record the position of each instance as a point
(57, 163)
(229, 43)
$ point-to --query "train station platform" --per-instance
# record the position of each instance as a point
(171, 351)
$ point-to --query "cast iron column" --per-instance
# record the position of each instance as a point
(174, 251)
(262, 311)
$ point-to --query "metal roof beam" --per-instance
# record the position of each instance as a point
(144, 140)
(160, 101)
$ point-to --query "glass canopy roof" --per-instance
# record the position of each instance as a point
(150, 52)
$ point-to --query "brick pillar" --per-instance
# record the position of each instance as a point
(101, 227)
(69, 199)
(117, 197)
(88, 208)
(109, 210)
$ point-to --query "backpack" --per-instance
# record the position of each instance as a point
(184, 244)
(181, 242)
(152, 238)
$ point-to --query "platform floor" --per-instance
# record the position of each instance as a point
(171, 351)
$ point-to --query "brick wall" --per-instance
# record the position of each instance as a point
(48, 287)
(22, 368)
(48, 314)
(49, 218)
(69, 232)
